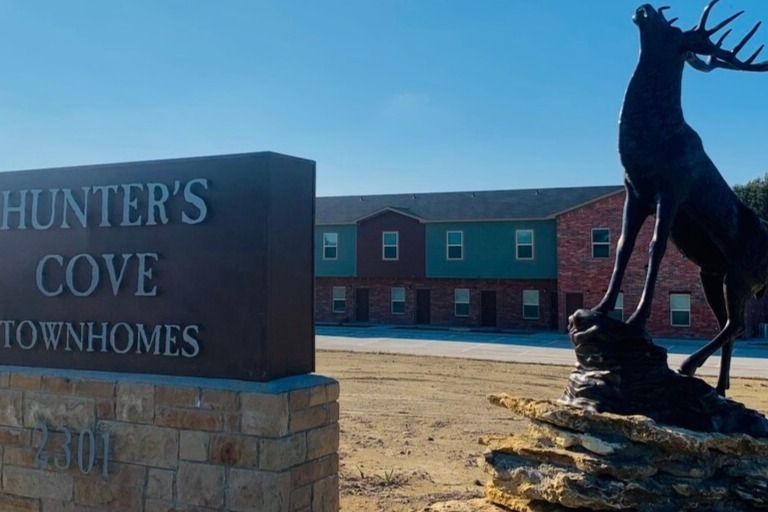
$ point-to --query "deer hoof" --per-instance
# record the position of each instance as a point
(689, 368)
(722, 386)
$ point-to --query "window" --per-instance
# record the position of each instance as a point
(531, 304)
(339, 299)
(455, 245)
(618, 309)
(389, 249)
(601, 243)
(461, 301)
(398, 301)
(330, 246)
(680, 309)
(524, 244)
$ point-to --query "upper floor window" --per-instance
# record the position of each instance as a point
(398, 301)
(524, 244)
(461, 301)
(389, 245)
(680, 309)
(339, 299)
(454, 245)
(330, 246)
(601, 243)
(531, 304)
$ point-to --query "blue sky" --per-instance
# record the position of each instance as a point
(387, 96)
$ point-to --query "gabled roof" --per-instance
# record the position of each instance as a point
(401, 211)
(493, 205)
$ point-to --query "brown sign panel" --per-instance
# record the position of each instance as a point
(196, 267)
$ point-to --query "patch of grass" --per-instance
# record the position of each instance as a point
(390, 478)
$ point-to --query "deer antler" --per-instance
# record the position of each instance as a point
(698, 42)
(661, 11)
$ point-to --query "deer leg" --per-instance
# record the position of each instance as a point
(632, 221)
(736, 293)
(714, 291)
(665, 216)
(724, 378)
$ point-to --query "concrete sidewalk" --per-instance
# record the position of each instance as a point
(750, 356)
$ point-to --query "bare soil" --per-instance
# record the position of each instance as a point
(410, 424)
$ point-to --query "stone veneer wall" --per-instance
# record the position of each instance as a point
(176, 444)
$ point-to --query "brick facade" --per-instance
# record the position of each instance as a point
(175, 444)
(509, 301)
(579, 272)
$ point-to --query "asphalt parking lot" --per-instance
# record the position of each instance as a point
(540, 347)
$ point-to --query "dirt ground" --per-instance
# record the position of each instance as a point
(410, 424)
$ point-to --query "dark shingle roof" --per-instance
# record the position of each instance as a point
(545, 203)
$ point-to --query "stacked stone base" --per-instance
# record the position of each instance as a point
(168, 444)
(575, 459)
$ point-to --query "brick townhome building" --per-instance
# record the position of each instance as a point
(508, 259)
(586, 245)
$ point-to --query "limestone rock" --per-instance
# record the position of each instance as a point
(580, 459)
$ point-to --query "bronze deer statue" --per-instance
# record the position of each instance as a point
(668, 174)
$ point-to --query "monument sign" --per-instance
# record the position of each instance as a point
(196, 267)
(187, 285)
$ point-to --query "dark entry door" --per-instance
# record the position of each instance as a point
(488, 308)
(573, 301)
(553, 307)
(423, 300)
(361, 305)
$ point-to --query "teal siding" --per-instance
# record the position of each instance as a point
(489, 250)
(346, 259)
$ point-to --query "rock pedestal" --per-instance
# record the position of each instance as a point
(579, 459)
(629, 434)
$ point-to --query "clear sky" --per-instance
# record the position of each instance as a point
(386, 95)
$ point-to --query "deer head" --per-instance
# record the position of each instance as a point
(660, 37)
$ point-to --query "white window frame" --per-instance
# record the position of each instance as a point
(672, 311)
(461, 296)
(339, 295)
(449, 245)
(530, 303)
(334, 246)
(397, 290)
(518, 245)
(601, 244)
(384, 245)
